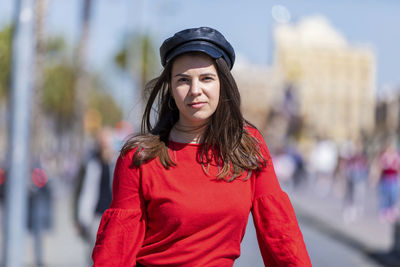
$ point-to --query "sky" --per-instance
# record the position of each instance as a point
(247, 25)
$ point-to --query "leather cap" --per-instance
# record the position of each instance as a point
(203, 39)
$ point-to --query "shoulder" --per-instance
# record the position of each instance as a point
(140, 141)
(261, 145)
(125, 172)
(137, 143)
(143, 148)
(254, 132)
(125, 159)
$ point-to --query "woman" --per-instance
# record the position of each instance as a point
(389, 169)
(183, 189)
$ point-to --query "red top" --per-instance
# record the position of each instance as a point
(184, 217)
(390, 164)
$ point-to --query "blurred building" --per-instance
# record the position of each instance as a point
(387, 116)
(262, 91)
(258, 86)
(334, 81)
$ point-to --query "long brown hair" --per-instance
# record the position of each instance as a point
(232, 147)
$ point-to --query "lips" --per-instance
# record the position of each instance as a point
(196, 104)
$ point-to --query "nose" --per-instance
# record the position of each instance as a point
(195, 87)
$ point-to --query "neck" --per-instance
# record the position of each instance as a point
(187, 133)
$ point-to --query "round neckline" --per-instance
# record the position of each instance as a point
(181, 144)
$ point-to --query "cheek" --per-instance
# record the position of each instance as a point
(216, 95)
(178, 96)
(175, 94)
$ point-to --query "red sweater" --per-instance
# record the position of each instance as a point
(184, 217)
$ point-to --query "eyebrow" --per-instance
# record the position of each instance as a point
(203, 74)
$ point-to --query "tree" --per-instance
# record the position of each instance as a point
(139, 58)
(81, 83)
(5, 60)
(103, 103)
(58, 99)
(40, 53)
(5, 76)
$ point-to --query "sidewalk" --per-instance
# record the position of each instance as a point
(366, 233)
(62, 247)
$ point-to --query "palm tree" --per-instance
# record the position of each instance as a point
(82, 80)
(41, 7)
(5, 76)
(138, 58)
(5, 61)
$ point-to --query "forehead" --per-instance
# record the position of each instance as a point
(192, 61)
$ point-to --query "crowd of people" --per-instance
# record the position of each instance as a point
(347, 171)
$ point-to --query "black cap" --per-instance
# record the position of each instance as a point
(203, 39)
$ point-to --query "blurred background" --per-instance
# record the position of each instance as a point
(320, 79)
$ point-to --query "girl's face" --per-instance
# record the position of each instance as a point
(195, 87)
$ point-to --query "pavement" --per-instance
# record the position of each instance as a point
(62, 246)
(364, 232)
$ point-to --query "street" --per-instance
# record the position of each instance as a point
(323, 250)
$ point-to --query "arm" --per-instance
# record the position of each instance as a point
(279, 236)
(122, 227)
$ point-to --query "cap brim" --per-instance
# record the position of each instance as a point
(196, 46)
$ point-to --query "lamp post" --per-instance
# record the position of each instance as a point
(18, 145)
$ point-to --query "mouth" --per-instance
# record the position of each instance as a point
(196, 104)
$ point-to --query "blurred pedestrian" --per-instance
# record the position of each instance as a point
(356, 174)
(2, 194)
(299, 174)
(94, 187)
(323, 162)
(40, 211)
(389, 167)
(285, 166)
(184, 188)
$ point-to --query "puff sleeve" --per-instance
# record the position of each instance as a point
(279, 237)
(122, 227)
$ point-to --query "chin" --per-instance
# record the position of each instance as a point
(199, 120)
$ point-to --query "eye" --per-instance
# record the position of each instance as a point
(183, 80)
(208, 78)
